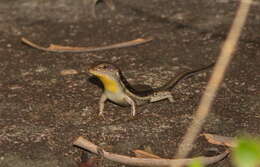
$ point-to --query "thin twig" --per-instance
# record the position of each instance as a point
(215, 80)
(85, 144)
(72, 49)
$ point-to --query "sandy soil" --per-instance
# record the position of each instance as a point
(42, 112)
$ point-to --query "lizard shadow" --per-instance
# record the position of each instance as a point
(94, 80)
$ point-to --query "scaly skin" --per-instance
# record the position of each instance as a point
(118, 90)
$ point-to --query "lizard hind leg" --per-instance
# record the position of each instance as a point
(132, 103)
(161, 96)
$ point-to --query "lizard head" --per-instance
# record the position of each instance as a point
(105, 70)
(109, 74)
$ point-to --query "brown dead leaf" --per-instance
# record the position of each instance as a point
(68, 72)
(219, 140)
(144, 154)
(15, 87)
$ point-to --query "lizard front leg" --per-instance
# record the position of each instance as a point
(132, 103)
(102, 101)
(161, 96)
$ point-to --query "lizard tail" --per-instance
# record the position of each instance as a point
(172, 83)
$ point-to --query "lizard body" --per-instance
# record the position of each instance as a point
(119, 91)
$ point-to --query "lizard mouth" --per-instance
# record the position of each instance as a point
(91, 71)
(96, 73)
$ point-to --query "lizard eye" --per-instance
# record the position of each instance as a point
(103, 66)
(106, 67)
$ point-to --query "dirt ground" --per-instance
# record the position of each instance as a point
(42, 111)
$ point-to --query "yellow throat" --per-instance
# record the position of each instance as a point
(109, 83)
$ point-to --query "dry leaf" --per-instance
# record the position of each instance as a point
(15, 87)
(219, 140)
(144, 154)
(68, 72)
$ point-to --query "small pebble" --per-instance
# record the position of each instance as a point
(41, 69)
(197, 91)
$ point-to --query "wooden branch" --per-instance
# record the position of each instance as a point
(221, 66)
(85, 144)
(71, 49)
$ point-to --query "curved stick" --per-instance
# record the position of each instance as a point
(83, 143)
(71, 49)
(215, 81)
